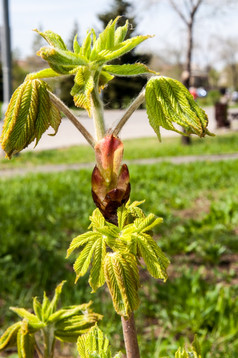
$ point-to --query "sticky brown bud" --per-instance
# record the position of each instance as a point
(110, 184)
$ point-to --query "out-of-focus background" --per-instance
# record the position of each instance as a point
(45, 197)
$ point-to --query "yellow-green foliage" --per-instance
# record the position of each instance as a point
(29, 114)
(114, 252)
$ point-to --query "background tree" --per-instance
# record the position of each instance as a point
(121, 90)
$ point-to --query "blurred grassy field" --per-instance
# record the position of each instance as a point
(40, 214)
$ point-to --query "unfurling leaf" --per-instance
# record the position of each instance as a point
(30, 113)
(25, 342)
(134, 69)
(70, 328)
(53, 39)
(192, 352)
(82, 89)
(9, 337)
(33, 320)
(169, 102)
(122, 277)
(45, 73)
(94, 344)
(61, 61)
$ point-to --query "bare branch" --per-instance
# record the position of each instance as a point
(178, 11)
(195, 8)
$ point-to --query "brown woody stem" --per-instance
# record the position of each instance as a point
(62, 107)
(130, 337)
(134, 105)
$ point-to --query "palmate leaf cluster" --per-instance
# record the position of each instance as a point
(193, 352)
(94, 345)
(113, 253)
(65, 324)
(168, 101)
(30, 113)
(88, 62)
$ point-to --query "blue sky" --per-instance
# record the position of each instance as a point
(60, 15)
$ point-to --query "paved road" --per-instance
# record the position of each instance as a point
(136, 127)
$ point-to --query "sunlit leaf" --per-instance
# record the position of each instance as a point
(82, 89)
(29, 114)
(25, 342)
(191, 352)
(94, 344)
(97, 278)
(31, 318)
(154, 258)
(76, 45)
(63, 62)
(45, 73)
(134, 69)
(53, 39)
(9, 337)
(169, 102)
(69, 329)
(122, 277)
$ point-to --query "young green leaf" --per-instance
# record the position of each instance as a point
(63, 62)
(82, 89)
(94, 344)
(45, 312)
(76, 45)
(168, 102)
(46, 73)
(33, 320)
(83, 261)
(25, 342)
(81, 240)
(193, 352)
(37, 307)
(134, 69)
(69, 311)
(68, 329)
(55, 299)
(29, 115)
(97, 278)
(154, 258)
(120, 33)
(86, 45)
(53, 39)
(122, 277)
(105, 40)
(104, 78)
(120, 49)
(9, 337)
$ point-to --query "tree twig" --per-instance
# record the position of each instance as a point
(62, 107)
(134, 105)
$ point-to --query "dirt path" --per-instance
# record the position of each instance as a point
(50, 168)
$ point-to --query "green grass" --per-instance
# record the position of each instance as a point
(40, 214)
(134, 149)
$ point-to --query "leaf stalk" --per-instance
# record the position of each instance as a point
(62, 107)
